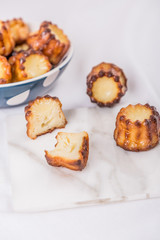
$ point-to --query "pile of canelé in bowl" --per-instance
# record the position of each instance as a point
(24, 54)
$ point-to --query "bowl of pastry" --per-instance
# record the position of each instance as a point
(30, 62)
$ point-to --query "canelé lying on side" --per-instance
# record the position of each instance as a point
(28, 64)
(51, 41)
(71, 151)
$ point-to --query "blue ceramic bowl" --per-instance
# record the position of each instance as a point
(14, 94)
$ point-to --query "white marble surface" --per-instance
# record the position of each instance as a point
(5, 184)
(112, 174)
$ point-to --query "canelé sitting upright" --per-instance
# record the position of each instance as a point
(137, 127)
(106, 84)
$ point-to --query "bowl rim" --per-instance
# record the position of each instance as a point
(67, 57)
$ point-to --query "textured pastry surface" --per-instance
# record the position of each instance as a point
(137, 127)
(106, 84)
(5, 70)
(71, 151)
(44, 114)
(19, 30)
(7, 42)
(28, 64)
(51, 41)
(31, 54)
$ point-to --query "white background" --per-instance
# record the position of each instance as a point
(127, 34)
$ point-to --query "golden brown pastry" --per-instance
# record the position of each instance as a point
(51, 40)
(137, 127)
(28, 64)
(44, 114)
(71, 151)
(21, 47)
(7, 42)
(19, 30)
(37, 41)
(5, 71)
(106, 84)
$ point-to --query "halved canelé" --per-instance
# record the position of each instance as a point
(51, 40)
(44, 114)
(137, 127)
(5, 71)
(28, 64)
(71, 151)
(106, 84)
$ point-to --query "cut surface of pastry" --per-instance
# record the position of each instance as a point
(137, 127)
(28, 64)
(51, 41)
(44, 114)
(19, 30)
(7, 42)
(71, 151)
(5, 71)
(106, 84)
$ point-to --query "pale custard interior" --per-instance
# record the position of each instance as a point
(68, 145)
(105, 89)
(21, 47)
(36, 65)
(46, 114)
(137, 112)
(58, 33)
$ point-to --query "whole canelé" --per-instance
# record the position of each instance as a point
(28, 64)
(106, 84)
(51, 40)
(137, 127)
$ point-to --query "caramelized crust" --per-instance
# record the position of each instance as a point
(19, 30)
(28, 64)
(44, 114)
(5, 71)
(106, 84)
(51, 41)
(7, 42)
(37, 41)
(137, 127)
(71, 151)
